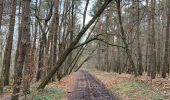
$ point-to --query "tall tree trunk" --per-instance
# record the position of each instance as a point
(8, 49)
(55, 32)
(19, 33)
(123, 36)
(165, 64)
(159, 51)
(41, 54)
(140, 67)
(33, 49)
(40, 59)
(70, 57)
(118, 65)
(153, 41)
(107, 46)
(25, 22)
(148, 56)
(1, 12)
(27, 67)
(85, 11)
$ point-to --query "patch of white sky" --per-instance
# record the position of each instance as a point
(88, 16)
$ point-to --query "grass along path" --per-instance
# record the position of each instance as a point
(130, 88)
(58, 90)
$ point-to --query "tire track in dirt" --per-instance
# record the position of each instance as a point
(87, 87)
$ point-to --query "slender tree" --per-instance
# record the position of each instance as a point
(8, 49)
(166, 61)
(1, 10)
(25, 22)
(140, 67)
(123, 36)
(153, 42)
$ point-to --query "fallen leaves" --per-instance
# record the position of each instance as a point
(143, 85)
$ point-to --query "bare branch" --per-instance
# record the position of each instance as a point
(95, 38)
(85, 10)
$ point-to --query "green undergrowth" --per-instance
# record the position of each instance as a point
(50, 94)
(129, 89)
(89, 69)
(137, 90)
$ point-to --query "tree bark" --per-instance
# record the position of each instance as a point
(1, 11)
(8, 49)
(123, 36)
(22, 48)
(148, 56)
(140, 67)
(153, 42)
(166, 61)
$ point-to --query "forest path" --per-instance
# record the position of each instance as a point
(87, 87)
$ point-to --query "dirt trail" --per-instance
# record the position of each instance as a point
(87, 87)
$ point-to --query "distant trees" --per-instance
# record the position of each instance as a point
(47, 40)
(69, 49)
(165, 68)
(56, 36)
(140, 36)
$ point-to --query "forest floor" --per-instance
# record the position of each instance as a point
(58, 90)
(125, 86)
(130, 88)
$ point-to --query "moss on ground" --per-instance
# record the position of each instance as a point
(133, 90)
(89, 69)
(127, 87)
(50, 94)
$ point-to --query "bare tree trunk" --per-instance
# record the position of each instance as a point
(159, 51)
(85, 11)
(33, 49)
(107, 46)
(70, 57)
(7, 55)
(19, 33)
(54, 33)
(148, 51)
(118, 64)
(165, 64)
(1, 12)
(129, 55)
(40, 60)
(153, 41)
(140, 67)
(27, 66)
(25, 22)
(99, 56)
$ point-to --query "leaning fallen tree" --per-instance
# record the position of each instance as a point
(71, 47)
